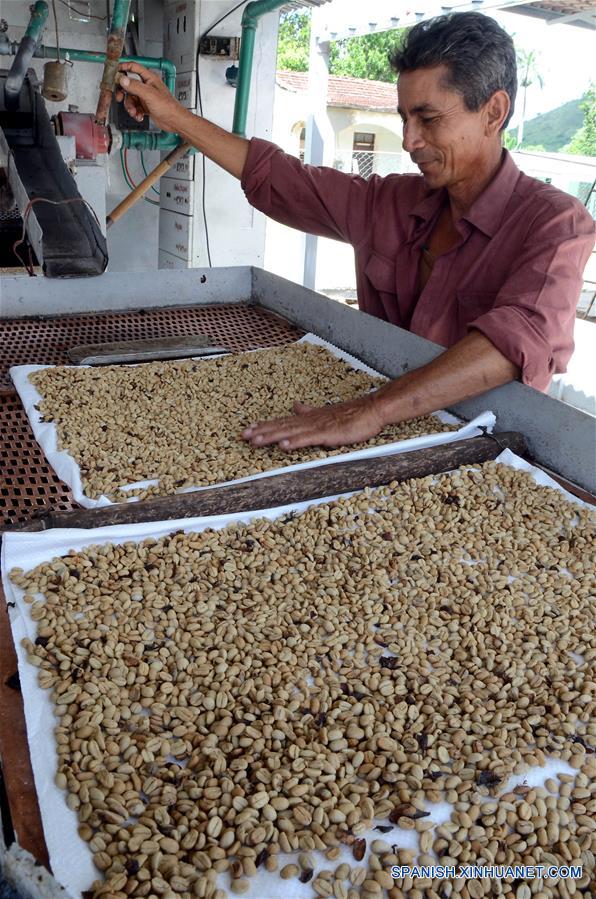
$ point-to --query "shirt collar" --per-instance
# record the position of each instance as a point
(429, 205)
(487, 210)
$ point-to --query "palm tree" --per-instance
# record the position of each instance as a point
(528, 74)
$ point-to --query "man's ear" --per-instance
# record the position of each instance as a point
(496, 110)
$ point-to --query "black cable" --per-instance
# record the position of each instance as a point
(56, 27)
(200, 105)
(80, 12)
(487, 433)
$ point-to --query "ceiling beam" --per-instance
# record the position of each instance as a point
(427, 9)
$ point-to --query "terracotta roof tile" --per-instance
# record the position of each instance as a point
(353, 93)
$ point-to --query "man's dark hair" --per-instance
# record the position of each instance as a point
(478, 53)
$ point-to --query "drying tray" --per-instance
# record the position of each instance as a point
(29, 486)
(67, 467)
(27, 551)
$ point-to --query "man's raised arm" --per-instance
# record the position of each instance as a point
(148, 95)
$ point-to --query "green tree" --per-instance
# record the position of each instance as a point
(527, 75)
(365, 57)
(357, 57)
(583, 142)
(294, 41)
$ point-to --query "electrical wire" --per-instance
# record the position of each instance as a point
(153, 188)
(70, 5)
(56, 27)
(26, 213)
(129, 185)
(128, 176)
(200, 104)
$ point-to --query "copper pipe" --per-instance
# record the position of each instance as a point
(113, 54)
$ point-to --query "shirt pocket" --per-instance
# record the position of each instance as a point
(472, 304)
(380, 271)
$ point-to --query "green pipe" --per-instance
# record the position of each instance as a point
(149, 140)
(120, 16)
(131, 140)
(250, 20)
(37, 20)
(165, 66)
(26, 49)
(152, 140)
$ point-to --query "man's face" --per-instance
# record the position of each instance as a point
(446, 141)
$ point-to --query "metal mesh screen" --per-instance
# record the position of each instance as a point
(10, 215)
(28, 486)
(46, 341)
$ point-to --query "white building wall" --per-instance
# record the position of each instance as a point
(284, 252)
(226, 203)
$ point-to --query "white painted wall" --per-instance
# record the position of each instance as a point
(578, 385)
(236, 230)
(385, 125)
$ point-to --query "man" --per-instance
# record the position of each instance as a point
(473, 255)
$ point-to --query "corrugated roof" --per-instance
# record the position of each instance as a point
(350, 93)
(566, 7)
(573, 12)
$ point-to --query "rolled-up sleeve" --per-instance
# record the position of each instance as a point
(315, 199)
(533, 317)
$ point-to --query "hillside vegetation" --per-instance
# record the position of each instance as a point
(553, 130)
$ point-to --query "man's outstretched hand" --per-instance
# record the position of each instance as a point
(148, 95)
(468, 368)
(337, 425)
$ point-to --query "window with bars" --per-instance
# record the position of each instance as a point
(363, 148)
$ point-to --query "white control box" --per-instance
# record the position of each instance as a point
(166, 260)
(181, 33)
(184, 169)
(176, 233)
(186, 89)
(177, 195)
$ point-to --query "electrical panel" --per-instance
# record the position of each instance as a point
(176, 217)
(184, 169)
(224, 47)
(166, 260)
(176, 234)
(177, 196)
(186, 89)
(181, 33)
(182, 231)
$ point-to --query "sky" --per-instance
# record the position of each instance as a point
(565, 53)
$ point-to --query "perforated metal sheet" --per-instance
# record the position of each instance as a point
(46, 341)
(28, 484)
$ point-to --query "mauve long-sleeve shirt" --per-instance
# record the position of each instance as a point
(515, 274)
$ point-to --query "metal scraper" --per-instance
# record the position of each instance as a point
(150, 350)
